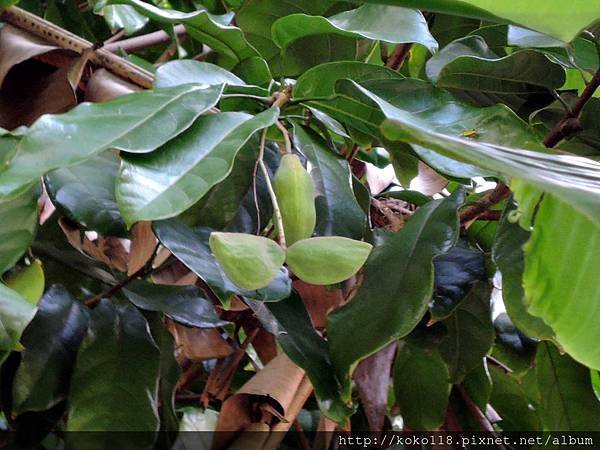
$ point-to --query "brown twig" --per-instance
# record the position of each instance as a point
(570, 124)
(398, 56)
(116, 288)
(474, 210)
(144, 41)
(474, 410)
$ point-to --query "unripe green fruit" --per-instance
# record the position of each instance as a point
(296, 198)
(251, 262)
(327, 260)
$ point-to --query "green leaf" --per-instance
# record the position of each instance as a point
(559, 285)
(568, 402)
(509, 258)
(470, 333)
(478, 384)
(465, 46)
(214, 31)
(51, 341)
(545, 16)
(179, 72)
(327, 259)
(251, 262)
(338, 212)
(138, 122)
(377, 22)
(85, 193)
(513, 79)
(114, 383)
(28, 281)
(124, 17)
(15, 314)
(307, 349)
(185, 304)
(574, 179)
(358, 329)
(163, 184)
(256, 17)
(522, 37)
(510, 400)
(18, 225)
(191, 248)
(421, 386)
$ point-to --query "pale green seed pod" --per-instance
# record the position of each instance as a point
(327, 260)
(296, 198)
(251, 262)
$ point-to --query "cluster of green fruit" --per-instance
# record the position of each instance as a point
(252, 262)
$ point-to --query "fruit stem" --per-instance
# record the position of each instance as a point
(276, 210)
(286, 136)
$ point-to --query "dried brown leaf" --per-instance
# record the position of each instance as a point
(143, 244)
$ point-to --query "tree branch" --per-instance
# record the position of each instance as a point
(398, 56)
(570, 124)
(116, 288)
(137, 43)
(474, 210)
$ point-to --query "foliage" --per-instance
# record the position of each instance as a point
(393, 206)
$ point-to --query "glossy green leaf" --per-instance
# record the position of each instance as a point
(15, 314)
(478, 384)
(114, 383)
(327, 259)
(123, 17)
(402, 299)
(568, 402)
(559, 285)
(251, 262)
(521, 74)
(214, 31)
(509, 258)
(572, 178)
(165, 183)
(138, 122)
(28, 281)
(18, 226)
(307, 349)
(191, 248)
(467, 46)
(510, 401)
(256, 17)
(86, 194)
(338, 212)
(185, 304)
(470, 333)
(51, 341)
(546, 16)
(523, 37)
(377, 22)
(421, 386)
(178, 72)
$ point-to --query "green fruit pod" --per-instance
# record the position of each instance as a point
(295, 194)
(327, 260)
(251, 262)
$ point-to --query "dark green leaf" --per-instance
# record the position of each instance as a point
(466, 46)
(421, 385)
(179, 72)
(510, 400)
(185, 304)
(124, 17)
(51, 341)
(114, 383)
(139, 123)
(398, 278)
(338, 212)
(18, 225)
(165, 183)
(86, 194)
(508, 256)
(377, 22)
(568, 400)
(191, 248)
(470, 333)
(478, 384)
